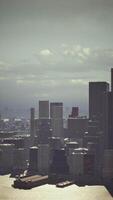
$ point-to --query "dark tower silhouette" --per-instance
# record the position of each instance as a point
(44, 129)
(112, 80)
(32, 125)
(75, 112)
(98, 106)
(33, 159)
(59, 164)
(111, 113)
(56, 115)
(43, 109)
(110, 121)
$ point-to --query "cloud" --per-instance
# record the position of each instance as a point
(4, 64)
(79, 82)
(77, 51)
(87, 51)
(66, 80)
(46, 52)
(89, 59)
(68, 63)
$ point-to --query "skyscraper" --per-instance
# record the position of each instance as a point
(56, 115)
(98, 106)
(97, 95)
(77, 127)
(111, 112)
(112, 80)
(75, 112)
(32, 125)
(44, 131)
(110, 120)
(43, 109)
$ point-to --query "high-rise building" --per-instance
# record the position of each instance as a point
(110, 120)
(43, 159)
(111, 112)
(77, 127)
(75, 112)
(112, 80)
(32, 120)
(44, 130)
(81, 163)
(59, 165)
(98, 106)
(43, 109)
(33, 159)
(56, 110)
(97, 95)
(56, 115)
(32, 125)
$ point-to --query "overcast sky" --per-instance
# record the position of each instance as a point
(51, 49)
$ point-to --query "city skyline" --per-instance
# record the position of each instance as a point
(43, 150)
(51, 50)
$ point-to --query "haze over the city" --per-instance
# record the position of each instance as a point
(51, 49)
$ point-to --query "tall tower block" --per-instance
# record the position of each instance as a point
(32, 124)
(112, 80)
(43, 109)
(56, 115)
(98, 106)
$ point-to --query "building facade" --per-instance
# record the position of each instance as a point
(98, 107)
(56, 115)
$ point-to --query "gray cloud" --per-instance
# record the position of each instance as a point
(75, 61)
(53, 81)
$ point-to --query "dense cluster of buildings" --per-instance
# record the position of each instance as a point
(83, 150)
